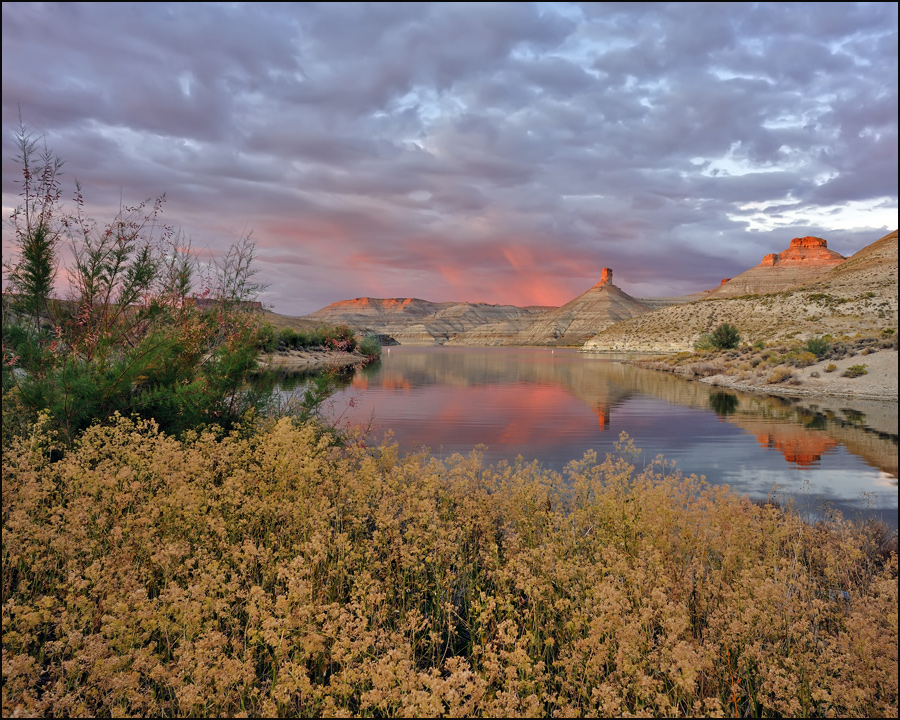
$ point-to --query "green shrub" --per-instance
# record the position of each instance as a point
(287, 339)
(818, 346)
(802, 359)
(369, 346)
(726, 337)
(134, 339)
(855, 371)
(267, 338)
(339, 337)
(779, 374)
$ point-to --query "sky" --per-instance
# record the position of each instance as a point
(478, 152)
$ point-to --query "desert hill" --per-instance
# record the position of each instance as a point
(803, 290)
(375, 311)
(572, 324)
(857, 295)
(875, 267)
(411, 321)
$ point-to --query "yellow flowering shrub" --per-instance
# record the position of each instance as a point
(275, 574)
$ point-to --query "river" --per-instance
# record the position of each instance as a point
(553, 405)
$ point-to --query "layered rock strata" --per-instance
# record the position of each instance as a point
(805, 288)
(411, 321)
(573, 323)
(850, 296)
(804, 260)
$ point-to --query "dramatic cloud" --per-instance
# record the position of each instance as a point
(475, 151)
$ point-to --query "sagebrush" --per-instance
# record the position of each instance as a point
(275, 574)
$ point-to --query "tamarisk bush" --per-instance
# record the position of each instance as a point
(132, 337)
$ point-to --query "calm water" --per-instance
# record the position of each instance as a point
(554, 405)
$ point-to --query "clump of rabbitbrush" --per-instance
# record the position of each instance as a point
(276, 574)
(145, 331)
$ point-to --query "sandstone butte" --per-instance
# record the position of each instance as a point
(805, 260)
(804, 287)
(572, 324)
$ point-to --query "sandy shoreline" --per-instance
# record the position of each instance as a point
(879, 382)
(307, 360)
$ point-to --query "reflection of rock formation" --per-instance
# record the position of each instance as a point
(802, 433)
(603, 417)
(868, 429)
(802, 430)
(803, 448)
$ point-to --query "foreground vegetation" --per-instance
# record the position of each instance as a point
(270, 572)
(148, 328)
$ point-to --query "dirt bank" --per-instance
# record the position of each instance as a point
(312, 359)
(879, 382)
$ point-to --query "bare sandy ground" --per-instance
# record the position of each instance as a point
(879, 382)
(305, 360)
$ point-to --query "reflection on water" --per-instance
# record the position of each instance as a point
(554, 405)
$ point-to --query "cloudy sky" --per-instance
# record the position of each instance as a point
(500, 153)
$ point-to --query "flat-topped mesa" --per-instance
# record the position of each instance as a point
(804, 260)
(809, 242)
(806, 250)
(605, 277)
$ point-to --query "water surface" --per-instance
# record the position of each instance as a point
(555, 405)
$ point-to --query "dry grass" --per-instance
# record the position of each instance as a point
(780, 374)
(273, 574)
(772, 364)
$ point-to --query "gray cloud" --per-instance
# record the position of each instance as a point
(501, 150)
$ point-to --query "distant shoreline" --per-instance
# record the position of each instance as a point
(312, 359)
(879, 382)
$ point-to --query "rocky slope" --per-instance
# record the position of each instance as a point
(573, 323)
(805, 260)
(858, 295)
(375, 312)
(411, 321)
(803, 290)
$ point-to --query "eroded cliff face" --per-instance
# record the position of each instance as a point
(573, 323)
(839, 296)
(576, 321)
(804, 288)
(411, 321)
(365, 310)
(803, 261)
